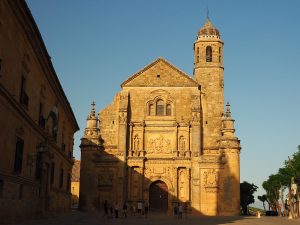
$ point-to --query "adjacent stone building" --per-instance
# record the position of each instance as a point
(165, 139)
(36, 120)
(75, 183)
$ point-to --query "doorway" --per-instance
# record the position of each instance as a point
(158, 196)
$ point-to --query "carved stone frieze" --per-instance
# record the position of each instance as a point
(159, 144)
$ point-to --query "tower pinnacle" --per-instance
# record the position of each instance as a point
(228, 111)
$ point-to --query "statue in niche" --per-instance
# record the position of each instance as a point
(136, 142)
(196, 117)
(181, 143)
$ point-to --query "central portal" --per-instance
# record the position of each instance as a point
(158, 196)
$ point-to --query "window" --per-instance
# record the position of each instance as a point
(42, 121)
(61, 180)
(52, 173)
(169, 110)
(1, 188)
(19, 155)
(160, 108)
(24, 99)
(151, 110)
(197, 55)
(220, 54)
(38, 166)
(208, 54)
(68, 187)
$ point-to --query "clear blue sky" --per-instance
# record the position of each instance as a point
(97, 44)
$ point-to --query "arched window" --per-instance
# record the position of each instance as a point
(208, 54)
(168, 110)
(160, 108)
(151, 110)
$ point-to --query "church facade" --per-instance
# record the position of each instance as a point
(165, 139)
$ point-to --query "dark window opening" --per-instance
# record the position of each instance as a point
(160, 108)
(38, 166)
(68, 187)
(52, 173)
(220, 54)
(1, 188)
(208, 54)
(158, 76)
(42, 120)
(19, 155)
(61, 180)
(24, 99)
(169, 110)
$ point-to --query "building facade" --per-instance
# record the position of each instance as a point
(165, 139)
(75, 183)
(36, 120)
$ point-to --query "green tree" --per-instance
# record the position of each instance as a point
(246, 196)
(264, 199)
(277, 183)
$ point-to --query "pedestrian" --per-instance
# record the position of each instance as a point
(175, 209)
(125, 210)
(111, 211)
(180, 210)
(105, 207)
(116, 210)
(139, 207)
(146, 209)
(133, 209)
(185, 209)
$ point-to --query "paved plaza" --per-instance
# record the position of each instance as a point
(81, 218)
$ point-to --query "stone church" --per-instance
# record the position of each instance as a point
(166, 139)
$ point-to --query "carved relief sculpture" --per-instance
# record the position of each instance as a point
(159, 145)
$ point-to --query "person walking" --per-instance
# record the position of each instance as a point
(116, 210)
(105, 207)
(180, 211)
(140, 207)
(125, 210)
(133, 209)
(111, 211)
(146, 209)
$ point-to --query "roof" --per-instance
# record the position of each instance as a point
(169, 74)
(208, 29)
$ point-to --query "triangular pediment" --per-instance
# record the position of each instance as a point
(160, 73)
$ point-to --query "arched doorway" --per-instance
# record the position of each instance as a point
(158, 196)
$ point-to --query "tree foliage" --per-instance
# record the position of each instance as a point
(277, 183)
(264, 199)
(246, 191)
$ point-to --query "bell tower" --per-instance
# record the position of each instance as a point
(208, 73)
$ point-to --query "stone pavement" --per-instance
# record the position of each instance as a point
(82, 218)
